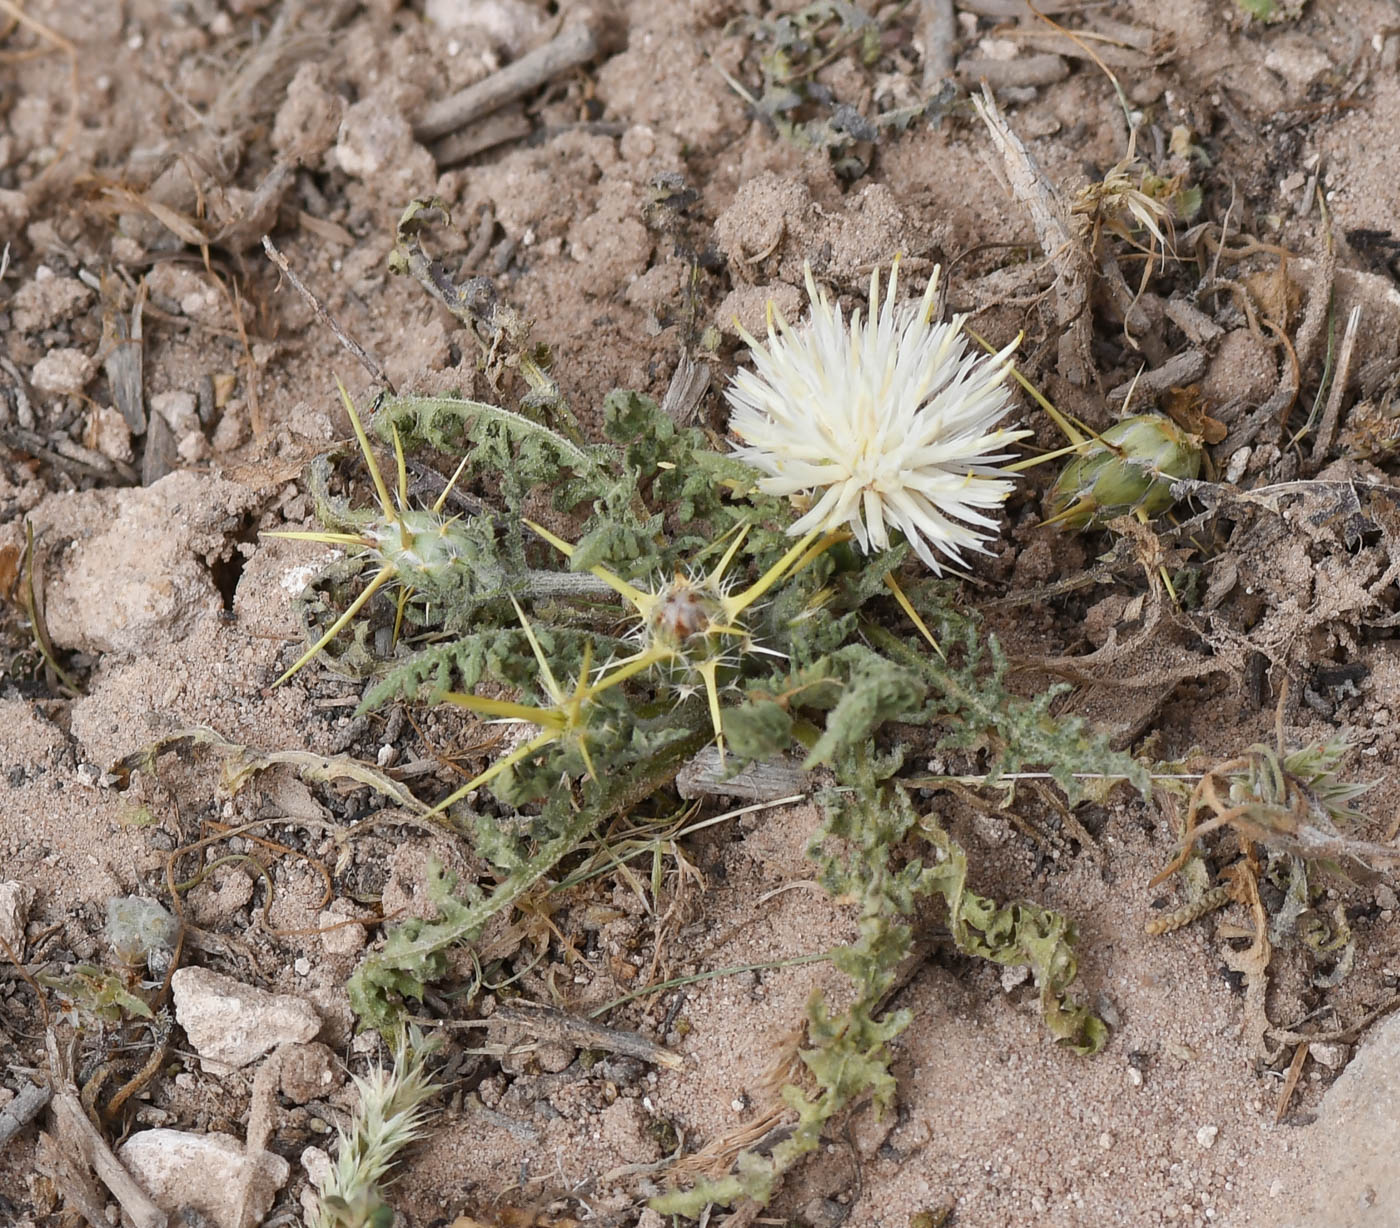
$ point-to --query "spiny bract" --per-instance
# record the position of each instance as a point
(888, 422)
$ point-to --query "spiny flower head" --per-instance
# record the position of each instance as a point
(886, 422)
(693, 624)
(409, 544)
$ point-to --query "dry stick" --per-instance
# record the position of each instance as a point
(492, 131)
(22, 1110)
(1295, 1070)
(1026, 70)
(1057, 240)
(125, 364)
(940, 35)
(349, 342)
(707, 774)
(1177, 372)
(74, 1129)
(1005, 10)
(1327, 428)
(574, 45)
(551, 1024)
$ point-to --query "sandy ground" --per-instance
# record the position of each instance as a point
(238, 118)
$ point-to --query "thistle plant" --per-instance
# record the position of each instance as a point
(685, 596)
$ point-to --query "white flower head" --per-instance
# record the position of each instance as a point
(886, 422)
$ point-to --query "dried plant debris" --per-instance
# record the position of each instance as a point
(792, 97)
(1286, 820)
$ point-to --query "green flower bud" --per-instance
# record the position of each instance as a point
(1130, 467)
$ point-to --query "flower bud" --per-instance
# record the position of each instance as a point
(1130, 467)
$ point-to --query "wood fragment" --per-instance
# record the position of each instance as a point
(1058, 240)
(24, 408)
(73, 1180)
(161, 455)
(125, 364)
(1290, 1082)
(486, 133)
(939, 31)
(1024, 71)
(706, 776)
(547, 1023)
(1327, 428)
(1123, 32)
(1008, 10)
(574, 45)
(1198, 327)
(80, 1139)
(551, 1024)
(1178, 371)
(689, 383)
(26, 1106)
(1077, 48)
(68, 456)
(70, 1118)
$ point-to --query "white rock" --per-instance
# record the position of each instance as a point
(207, 1173)
(1014, 976)
(64, 370)
(1345, 1174)
(231, 1024)
(109, 434)
(512, 25)
(341, 932)
(15, 901)
(317, 1163)
(1333, 1056)
(179, 408)
(136, 571)
(376, 139)
(1205, 1136)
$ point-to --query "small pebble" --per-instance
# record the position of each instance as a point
(1333, 1056)
(1106, 1141)
(1234, 470)
(1205, 1136)
(1014, 976)
(1134, 1076)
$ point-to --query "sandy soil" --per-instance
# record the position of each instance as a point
(173, 136)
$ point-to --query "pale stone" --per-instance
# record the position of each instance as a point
(1346, 1175)
(207, 1173)
(16, 898)
(341, 933)
(309, 1072)
(231, 1024)
(63, 371)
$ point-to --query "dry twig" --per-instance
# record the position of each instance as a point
(1057, 240)
(375, 370)
(551, 1024)
(75, 1137)
(574, 45)
(26, 1106)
